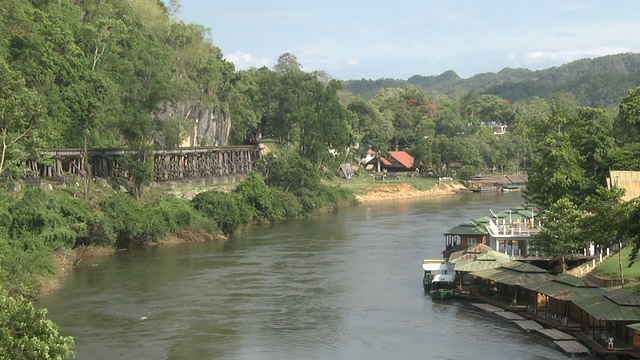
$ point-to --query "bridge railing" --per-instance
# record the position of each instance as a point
(168, 164)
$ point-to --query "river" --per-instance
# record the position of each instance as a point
(340, 286)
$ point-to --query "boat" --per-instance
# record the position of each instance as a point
(443, 287)
(431, 268)
(439, 279)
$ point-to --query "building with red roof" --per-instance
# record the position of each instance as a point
(397, 161)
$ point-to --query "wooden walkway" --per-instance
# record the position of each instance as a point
(571, 347)
(528, 325)
(508, 315)
(563, 341)
(554, 334)
(487, 307)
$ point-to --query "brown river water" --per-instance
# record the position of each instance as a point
(340, 286)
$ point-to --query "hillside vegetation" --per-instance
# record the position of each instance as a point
(598, 82)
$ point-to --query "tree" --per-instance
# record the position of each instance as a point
(326, 124)
(628, 124)
(374, 129)
(604, 215)
(289, 172)
(20, 112)
(630, 227)
(556, 169)
(26, 333)
(562, 232)
(592, 134)
(287, 62)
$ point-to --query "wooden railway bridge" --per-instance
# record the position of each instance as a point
(168, 165)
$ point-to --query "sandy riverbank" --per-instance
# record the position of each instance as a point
(406, 191)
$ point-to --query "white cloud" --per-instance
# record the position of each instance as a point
(243, 61)
(353, 62)
(569, 55)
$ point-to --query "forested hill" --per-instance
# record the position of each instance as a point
(599, 82)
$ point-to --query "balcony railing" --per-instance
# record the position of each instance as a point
(505, 229)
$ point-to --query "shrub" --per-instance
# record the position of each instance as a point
(262, 199)
(132, 222)
(26, 333)
(180, 215)
(227, 210)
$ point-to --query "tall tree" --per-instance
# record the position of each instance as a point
(374, 130)
(628, 122)
(592, 134)
(556, 167)
(562, 232)
(20, 115)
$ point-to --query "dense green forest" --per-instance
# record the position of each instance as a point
(599, 82)
(129, 73)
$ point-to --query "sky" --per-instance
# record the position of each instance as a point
(374, 39)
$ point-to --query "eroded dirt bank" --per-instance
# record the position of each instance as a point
(405, 191)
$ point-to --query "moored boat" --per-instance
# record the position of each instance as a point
(443, 286)
(433, 267)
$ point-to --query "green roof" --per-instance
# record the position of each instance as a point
(471, 251)
(574, 281)
(634, 326)
(567, 287)
(515, 273)
(477, 258)
(522, 267)
(479, 225)
(615, 305)
(470, 227)
(480, 263)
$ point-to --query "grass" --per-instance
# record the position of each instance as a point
(359, 183)
(610, 268)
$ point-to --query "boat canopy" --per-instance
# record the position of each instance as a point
(434, 265)
(444, 278)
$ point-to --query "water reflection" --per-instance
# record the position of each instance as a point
(342, 286)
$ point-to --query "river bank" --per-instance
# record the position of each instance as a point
(64, 262)
(406, 191)
(340, 286)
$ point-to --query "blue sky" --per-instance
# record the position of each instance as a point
(375, 39)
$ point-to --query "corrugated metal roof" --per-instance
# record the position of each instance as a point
(403, 157)
(524, 268)
(471, 251)
(623, 297)
(499, 275)
(628, 180)
(470, 227)
(482, 262)
(479, 252)
(567, 287)
(616, 305)
(574, 281)
(476, 266)
(515, 273)
(634, 326)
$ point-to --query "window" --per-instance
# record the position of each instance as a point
(471, 241)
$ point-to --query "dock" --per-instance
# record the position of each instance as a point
(487, 307)
(565, 342)
(555, 335)
(571, 347)
(528, 325)
(510, 316)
